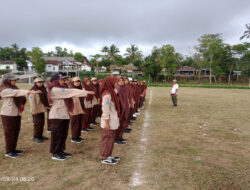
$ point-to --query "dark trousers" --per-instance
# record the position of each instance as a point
(59, 133)
(94, 113)
(174, 99)
(76, 125)
(107, 143)
(86, 118)
(38, 121)
(11, 127)
(99, 111)
(48, 120)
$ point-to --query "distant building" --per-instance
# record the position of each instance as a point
(186, 71)
(8, 65)
(65, 65)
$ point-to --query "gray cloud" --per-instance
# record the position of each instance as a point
(144, 22)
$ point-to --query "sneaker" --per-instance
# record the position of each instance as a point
(130, 124)
(45, 138)
(109, 160)
(78, 140)
(123, 140)
(81, 139)
(94, 123)
(67, 155)
(58, 157)
(37, 140)
(133, 118)
(127, 130)
(85, 131)
(134, 115)
(120, 142)
(75, 141)
(11, 154)
(48, 131)
(90, 129)
(18, 152)
(117, 158)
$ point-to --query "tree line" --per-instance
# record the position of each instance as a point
(211, 52)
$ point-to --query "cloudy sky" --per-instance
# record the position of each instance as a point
(88, 25)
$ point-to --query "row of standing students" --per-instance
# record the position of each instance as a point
(115, 99)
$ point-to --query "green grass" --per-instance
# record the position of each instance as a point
(201, 86)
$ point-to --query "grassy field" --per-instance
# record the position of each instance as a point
(204, 143)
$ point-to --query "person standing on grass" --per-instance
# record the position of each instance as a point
(88, 106)
(38, 105)
(77, 114)
(124, 107)
(174, 92)
(95, 101)
(48, 108)
(12, 107)
(109, 120)
(62, 107)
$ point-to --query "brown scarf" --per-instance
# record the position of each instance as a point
(107, 87)
(90, 87)
(43, 96)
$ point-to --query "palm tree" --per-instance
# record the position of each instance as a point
(133, 53)
(246, 34)
(105, 50)
(113, 53)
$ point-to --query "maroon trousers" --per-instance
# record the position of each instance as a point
(76, 125)
(119, 131)
(38, 121)
(11, 128)
(59, 133)
(94, 113)
(107, 143)
(86, 118)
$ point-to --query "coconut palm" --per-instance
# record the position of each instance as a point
(246, 34)
(133, 53)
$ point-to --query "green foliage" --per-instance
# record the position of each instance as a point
(89, 74)
(37, 60)
(79, 57)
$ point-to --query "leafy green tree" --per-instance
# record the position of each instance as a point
(36, 58)
(79, 57)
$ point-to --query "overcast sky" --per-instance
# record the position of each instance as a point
(88, 25)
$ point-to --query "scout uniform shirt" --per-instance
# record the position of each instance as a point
(36, 105)
(9, 107)
(109, 112)
(59, 109)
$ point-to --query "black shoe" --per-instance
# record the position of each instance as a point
(18, 152)
(123, 140)
(67, 155)
(94, 123)
(11, 154)
(117, 158)
(128, 130)
(44, 138)
(133, 118)
(109, 160)
(76, 140)
(130, 124)
(58, 157)
(120, 142)
(85, 131)
(81, 139)
(90, 129)
(37, 140)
